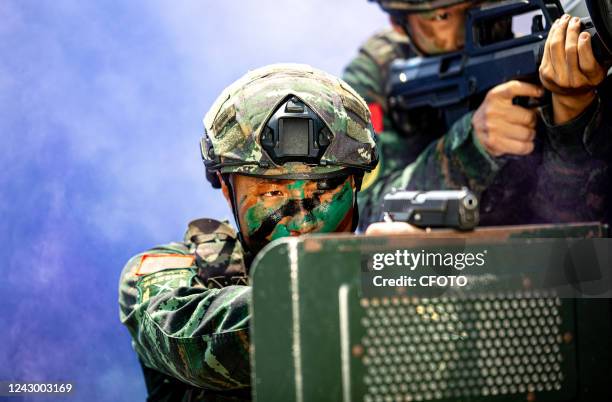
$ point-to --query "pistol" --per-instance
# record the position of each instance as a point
(457, 209)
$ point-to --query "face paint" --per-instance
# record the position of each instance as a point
(323, 213)
(271, 209)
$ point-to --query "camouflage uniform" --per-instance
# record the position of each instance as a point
(186, 304)
(186, 307)
(566, 157)
(458, 150)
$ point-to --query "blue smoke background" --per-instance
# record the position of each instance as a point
(100, 116)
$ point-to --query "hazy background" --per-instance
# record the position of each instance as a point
(100, 115)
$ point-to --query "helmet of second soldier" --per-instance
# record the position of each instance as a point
(415, 6)
(434, 26)
(289, 145)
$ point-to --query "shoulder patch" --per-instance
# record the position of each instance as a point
(151, 263)
(168, 280)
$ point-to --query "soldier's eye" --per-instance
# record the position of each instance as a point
(273, 193)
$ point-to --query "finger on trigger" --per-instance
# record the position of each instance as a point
(516, 88)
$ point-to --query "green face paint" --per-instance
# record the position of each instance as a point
(293, 207)
(325, 217)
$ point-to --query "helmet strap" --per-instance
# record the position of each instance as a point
(248, 254)
(399, 19)
(358, 177)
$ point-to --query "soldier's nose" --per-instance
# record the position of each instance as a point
(302, 223)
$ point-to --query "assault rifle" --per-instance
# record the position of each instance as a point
(457, 82)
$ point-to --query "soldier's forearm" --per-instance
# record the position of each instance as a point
(453, 162)
(199, 336)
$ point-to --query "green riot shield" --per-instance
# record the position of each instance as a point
(317, 335)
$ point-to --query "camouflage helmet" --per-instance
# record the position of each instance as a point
(411, 6)
(240, 136)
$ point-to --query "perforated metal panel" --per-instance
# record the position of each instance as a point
(441, 349)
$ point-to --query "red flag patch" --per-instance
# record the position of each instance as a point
(151, 263)
(376, 111)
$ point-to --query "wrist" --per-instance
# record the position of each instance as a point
(568, 107)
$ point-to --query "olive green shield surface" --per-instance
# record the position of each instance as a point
(317, 336)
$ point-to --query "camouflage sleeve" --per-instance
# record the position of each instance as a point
(573, 182)
(367, 73)
(366, 77)
(180, 328)
(454, 161)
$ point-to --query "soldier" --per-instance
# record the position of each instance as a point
(491, 150)
(288, 145)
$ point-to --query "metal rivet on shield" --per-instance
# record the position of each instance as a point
(527, 283)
